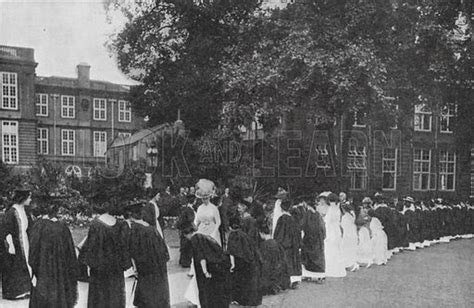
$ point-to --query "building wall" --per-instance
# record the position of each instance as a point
(21, 61)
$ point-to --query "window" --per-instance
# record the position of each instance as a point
(68, 142)
(100, 109)
(9, 91)
(124, 136)
(423, 116)
(10, 142)
(322, 159)
(396, 119)
(42, 141)
(357, 165)
(73, 170)
(389, 169)
(125, 111)
(100, 144)
(447, 118)
(42, 105)
(421, 169)
(447, 170)
(359, 119)
(68, 107)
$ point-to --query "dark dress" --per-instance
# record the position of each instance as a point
(16, 278)
(412, 223)
(149, 251)
(249, 226)
(403, 230)
(275, 275)
(288, 235)
(386, 217)
(149, 215)
(312, 251)
(246, 275)
(105, 252)
(185, 220)
(214, 292)
(54, 264)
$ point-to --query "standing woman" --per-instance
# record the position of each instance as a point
(288, 235)
(53, 262)
(349, 237)
(208, 218)
(332, 244)
(105, 253)
(312, 250)
(211, 267)
(245, 266)
(150, 255)
(365, 255)
(16, 278)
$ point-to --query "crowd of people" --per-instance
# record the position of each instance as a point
(237, 249)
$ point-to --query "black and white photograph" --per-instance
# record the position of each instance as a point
(236, 153)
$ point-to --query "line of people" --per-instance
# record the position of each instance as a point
(238, 251)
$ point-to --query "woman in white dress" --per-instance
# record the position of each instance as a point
(349, 237)
(207, 221)
(365, 254)
(332, 243)
(379, 242)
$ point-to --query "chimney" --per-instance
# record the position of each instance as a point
(83, 75)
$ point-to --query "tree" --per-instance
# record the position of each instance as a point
(175, 48)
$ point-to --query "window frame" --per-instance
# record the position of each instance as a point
(124, 111)
(394, 171)
(422, 163)
(11, 148)
(421, 114)
(40, 104)
(69, 106)
(356, 117)
(356, 156)
(69, 143)
(98, 144)
(99, 109)
(43, 140)
(447, 173)
(449, 117)
(8, 87)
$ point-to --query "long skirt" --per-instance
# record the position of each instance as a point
(379, 246)
(106, 289)
(16, 279)
(152, 291)
(246, 284)
(365, 254)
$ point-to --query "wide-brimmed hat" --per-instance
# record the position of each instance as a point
(134, 206)
(409, 199)
(205, 189)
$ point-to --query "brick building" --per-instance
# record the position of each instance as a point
(70, 121)
(417, 157)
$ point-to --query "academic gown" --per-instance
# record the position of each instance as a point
(288, 235)
(150, 254)
(185, 220)
(16, 279)
(275, 276)
(413, 229)
(246, 275)
(312, 250)
(54, 264)
(215, 291)
(105, 252)
(249, 226)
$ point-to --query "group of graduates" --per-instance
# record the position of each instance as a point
(264, 248)
(238, 250)
(40, 261)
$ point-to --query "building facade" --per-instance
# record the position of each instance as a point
(69, 121)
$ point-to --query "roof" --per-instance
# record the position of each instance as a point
(73, 83)
(138, 136)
